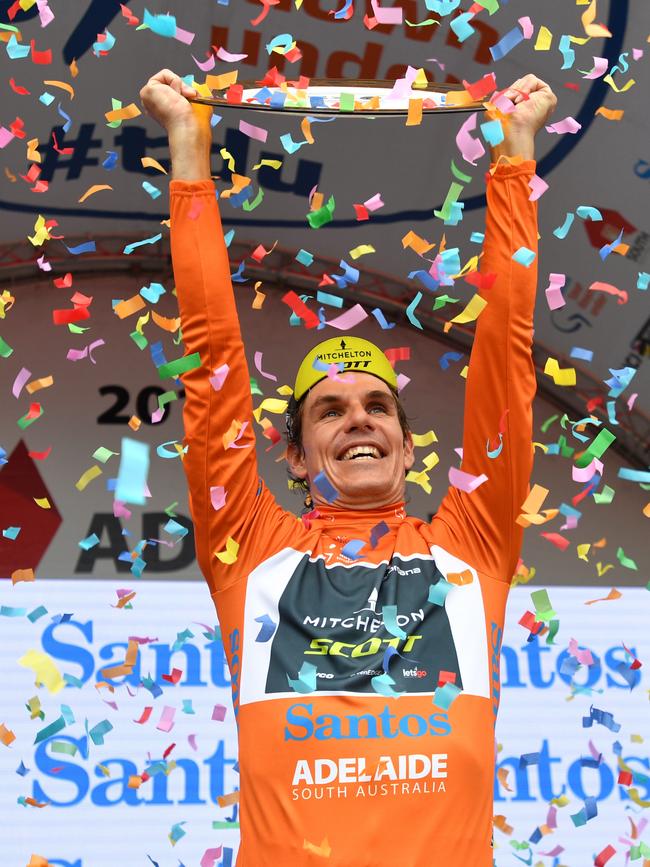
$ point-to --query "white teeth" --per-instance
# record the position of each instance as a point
(361, 452)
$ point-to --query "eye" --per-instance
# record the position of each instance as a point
(329, 413)
(378, 407)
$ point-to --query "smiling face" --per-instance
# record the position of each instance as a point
(351, 431)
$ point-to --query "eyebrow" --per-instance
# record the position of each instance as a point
(330, 399)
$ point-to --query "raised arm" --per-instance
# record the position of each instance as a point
(501, 380)
(210, 327)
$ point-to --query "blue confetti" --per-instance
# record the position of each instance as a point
(267, 628)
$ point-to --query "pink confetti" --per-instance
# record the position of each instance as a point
(211, 856)
(554, 296)
(586, 473)
(637, 53)
(258, 365)
(470, 148)
(191, 739)
(465, 481)
(205, 65)
(219, 376)
(166, 719)
(350, 319)
(600, 68)
(538, 187)
(631, 400)
(44, 13)
(256, 132)
(120, 510)
(503, 103)
(20, 381)
(402, 381)
(219, 712)
(584, 657)
(184, 36)
(43, 264)
(226, 56)
(391, 15)
(374, 203)
(218, 497)
(568, 124)
(526, 26)
(5, 137)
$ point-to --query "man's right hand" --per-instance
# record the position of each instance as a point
(165, 98)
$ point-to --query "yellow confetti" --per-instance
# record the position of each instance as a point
(634, 796)
(285, 390)
(229, 554)
(142, 321)
(32, 151)
(232, 433)
(272, 164)
(324, 850)
(560, 376)
(628, 84)
(636, 739)
(22, 575)
(430, 460)
(7, 301)
(96, 188)
(420, 80)
(471, 312)
(544, 39)
(583, 550)
(41, 234)
(151, 163)
(63, 85)
(43, 502)
(420, 478)
(270, 404)
(44, 669)
(37, 384)
(362, 250)
(425, 439)
(87, 477)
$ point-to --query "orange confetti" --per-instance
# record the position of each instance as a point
(220, 82)
(94, 189)
(129, 307)
(6, 735)
(63, 85)
(125, 113)
(229, 799)
(151, 163)
(611, 113)
(613, 594)
(502, 825)
(460, 578)
(170, 325)
(414, 117)
(22, 575)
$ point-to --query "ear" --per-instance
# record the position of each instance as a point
(296, 461)
(409, 452)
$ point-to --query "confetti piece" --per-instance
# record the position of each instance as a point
(560, 376)
(82, 483)
(306, 681)
(465, 481)
(613, 594)
(45, 670)
(567, 125)
(230, 552)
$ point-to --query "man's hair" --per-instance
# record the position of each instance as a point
(294, 422)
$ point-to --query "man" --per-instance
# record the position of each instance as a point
(365, 679)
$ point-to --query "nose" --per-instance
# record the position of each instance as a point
(357, 417)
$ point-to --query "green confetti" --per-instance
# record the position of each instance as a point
(605, 496)
(323, 215)
(625, 561)
(5, 349)
(543, 608)
(549, 421)
(102, 454)
(139, 339)
(179, 365)
(460, 176)
(553, 627)
(64, 747)
(259, 198)
(441, 300)
(346, 102)
(597, 448)
(25, 422)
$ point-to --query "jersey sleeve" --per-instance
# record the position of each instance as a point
(210, 327)
(480, 526)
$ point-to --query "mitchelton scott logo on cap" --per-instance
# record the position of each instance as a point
(348, 355)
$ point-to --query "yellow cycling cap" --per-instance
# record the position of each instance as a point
(354, 353)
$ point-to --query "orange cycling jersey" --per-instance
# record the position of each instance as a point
(336, 661)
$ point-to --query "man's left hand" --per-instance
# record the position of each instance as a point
(534, 103)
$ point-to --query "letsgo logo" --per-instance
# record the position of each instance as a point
(302, 725)
(414, 672)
